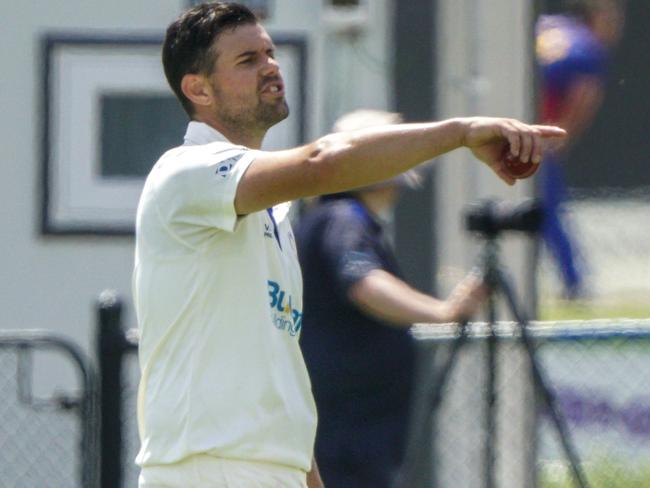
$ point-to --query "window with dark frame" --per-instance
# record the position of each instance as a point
(136, 129)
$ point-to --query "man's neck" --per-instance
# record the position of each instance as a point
(249, 139)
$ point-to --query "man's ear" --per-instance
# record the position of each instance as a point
(197, 89)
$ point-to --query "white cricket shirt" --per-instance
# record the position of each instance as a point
(219, 304)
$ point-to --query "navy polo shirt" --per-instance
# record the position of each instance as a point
(361, 369)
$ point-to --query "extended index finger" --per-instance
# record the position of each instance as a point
(550, 131)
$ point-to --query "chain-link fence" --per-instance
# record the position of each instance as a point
(45, 441)
(131, 439)
(597, 372)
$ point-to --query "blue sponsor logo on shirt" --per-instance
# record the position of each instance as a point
(284, 316)
(224, 167)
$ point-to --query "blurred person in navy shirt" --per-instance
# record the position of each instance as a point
(355, 337)
(573, 53)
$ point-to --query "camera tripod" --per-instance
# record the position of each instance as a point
(489, 225)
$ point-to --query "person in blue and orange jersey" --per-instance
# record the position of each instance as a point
(573, 51)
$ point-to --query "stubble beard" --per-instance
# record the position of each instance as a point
(258, 119)
(269, 114)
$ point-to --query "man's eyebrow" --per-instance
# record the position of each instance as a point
(253, 52)
(246, 54)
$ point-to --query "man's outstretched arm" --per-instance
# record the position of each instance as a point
(347, 160)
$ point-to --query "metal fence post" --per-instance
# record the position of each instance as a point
(110, 346)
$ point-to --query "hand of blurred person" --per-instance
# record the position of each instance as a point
(388, 298)
(466, 298)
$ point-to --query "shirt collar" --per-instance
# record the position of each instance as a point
(200, 133)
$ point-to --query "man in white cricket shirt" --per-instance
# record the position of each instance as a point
(225, 400)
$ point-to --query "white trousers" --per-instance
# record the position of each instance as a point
(202, 471)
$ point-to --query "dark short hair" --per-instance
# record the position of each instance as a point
(187, 48)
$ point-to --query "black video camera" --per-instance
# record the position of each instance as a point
(490, 217)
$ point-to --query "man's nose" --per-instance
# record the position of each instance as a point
(271, 67)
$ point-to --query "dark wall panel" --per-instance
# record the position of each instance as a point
(414, 97)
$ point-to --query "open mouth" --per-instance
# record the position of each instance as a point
(274, 88)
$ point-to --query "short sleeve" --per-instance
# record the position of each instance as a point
(349, 247)
(197, 185)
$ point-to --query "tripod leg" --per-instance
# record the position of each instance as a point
(490, 400)
(541, 383)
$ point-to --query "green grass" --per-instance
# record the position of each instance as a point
(587, 310)
(605, 474)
